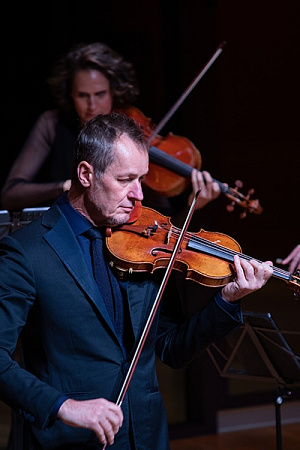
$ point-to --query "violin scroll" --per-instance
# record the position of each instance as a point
(295, 284)
(244, 201)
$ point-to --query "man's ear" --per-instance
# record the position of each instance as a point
(85, 173)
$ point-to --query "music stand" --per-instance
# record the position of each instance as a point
(10, 221)
(274, 359)
(5, 223)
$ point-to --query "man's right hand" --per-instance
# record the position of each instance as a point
(99, 415)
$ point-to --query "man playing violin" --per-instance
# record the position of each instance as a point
(76, 348)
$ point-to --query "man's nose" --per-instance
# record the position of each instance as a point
(137, 191)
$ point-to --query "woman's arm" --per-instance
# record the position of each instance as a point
(20, 191)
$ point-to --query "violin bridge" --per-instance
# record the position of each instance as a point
(149, 231)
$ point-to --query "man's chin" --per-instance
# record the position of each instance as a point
(120, 219)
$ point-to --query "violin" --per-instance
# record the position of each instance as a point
(149, 241)
(172, 159)
(146, 242)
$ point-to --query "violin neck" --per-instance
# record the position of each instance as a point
(209, 248)
(167, 161)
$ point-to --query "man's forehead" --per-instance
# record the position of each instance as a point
(130, 161)
(126, 148)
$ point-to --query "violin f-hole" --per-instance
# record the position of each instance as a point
(156, 250)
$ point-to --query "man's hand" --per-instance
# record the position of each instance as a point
(102, 416)
(249, 277)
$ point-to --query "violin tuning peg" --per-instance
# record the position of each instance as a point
(229, 208)
(296, 294)
(243, 215)
(250, 192)
(238, 184)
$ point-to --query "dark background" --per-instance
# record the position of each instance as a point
(243, 115)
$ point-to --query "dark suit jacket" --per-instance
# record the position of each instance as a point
(49, 297)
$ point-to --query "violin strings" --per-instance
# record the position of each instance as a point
(210, 244)
(190, 236)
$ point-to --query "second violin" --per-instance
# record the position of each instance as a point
(172, 160)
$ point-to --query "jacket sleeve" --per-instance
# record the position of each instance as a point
(21, 390)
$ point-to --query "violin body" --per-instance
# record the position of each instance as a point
(163, 180)
(160, 179)
(147, 244)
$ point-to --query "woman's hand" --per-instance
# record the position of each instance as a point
(66, 185)
(293, 259)
(209, 189)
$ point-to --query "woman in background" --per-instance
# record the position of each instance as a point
(89, 80)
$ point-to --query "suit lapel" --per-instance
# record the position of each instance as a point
(64, 243)
(62, 240)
